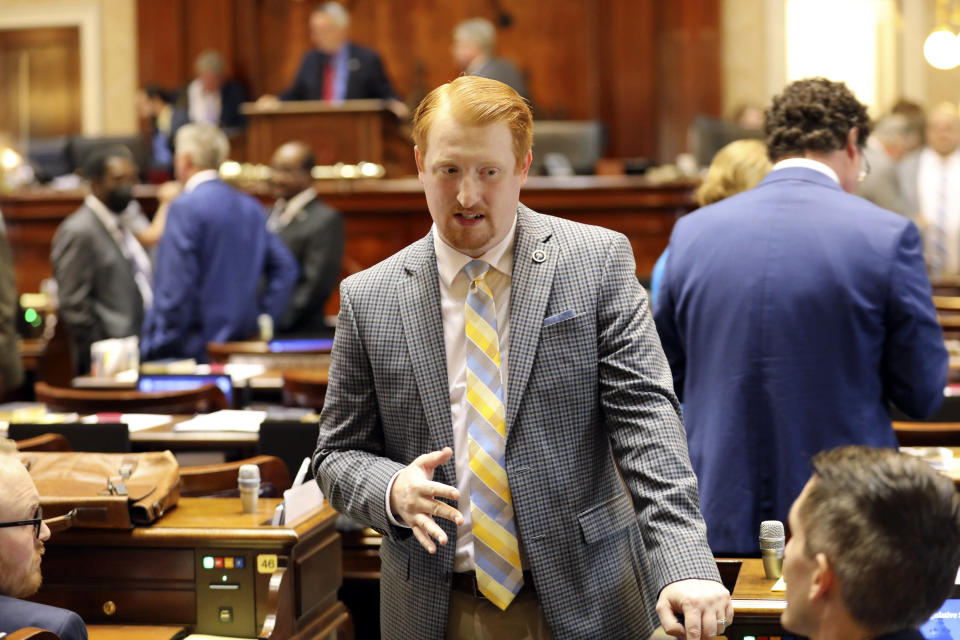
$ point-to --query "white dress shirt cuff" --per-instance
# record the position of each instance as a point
(390, 517)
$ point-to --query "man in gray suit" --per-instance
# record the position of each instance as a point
(311, 230)
(499, 383)
(11, 369)
(103, 272)
(474, 51)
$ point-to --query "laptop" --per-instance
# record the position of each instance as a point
(154, 382)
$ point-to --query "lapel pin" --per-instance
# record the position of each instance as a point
(539, 255)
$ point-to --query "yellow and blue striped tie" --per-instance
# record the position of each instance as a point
(495, 548)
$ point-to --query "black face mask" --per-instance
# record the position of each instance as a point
(118, 199)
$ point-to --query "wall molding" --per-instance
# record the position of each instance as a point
(86, 17)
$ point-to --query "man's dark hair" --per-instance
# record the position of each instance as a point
(156, 91)
(813, 114)
(95, 164)
(889, 526)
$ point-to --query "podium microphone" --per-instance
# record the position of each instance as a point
(772, 541)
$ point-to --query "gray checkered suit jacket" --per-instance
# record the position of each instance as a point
(582, 393)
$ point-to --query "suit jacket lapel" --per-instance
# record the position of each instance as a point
(419, 297)
(534, 263)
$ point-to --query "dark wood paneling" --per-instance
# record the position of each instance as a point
(643, 67)
(382, 217)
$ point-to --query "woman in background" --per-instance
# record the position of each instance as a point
(738, 166)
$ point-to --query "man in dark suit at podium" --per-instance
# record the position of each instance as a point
(311, 230)
(337, 69)
(22, 533)
(874, 548)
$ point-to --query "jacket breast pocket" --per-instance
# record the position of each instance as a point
(606, 519)
(560, 324)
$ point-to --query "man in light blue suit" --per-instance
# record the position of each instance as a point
(792, 315)
(218, 267)
(596, 510)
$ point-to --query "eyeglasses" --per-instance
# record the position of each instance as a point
(34, 522)
(864, 167)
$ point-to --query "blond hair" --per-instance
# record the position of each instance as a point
(476, 101)
(738, 166)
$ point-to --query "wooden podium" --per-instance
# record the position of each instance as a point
(350, 132)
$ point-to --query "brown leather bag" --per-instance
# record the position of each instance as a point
(106, 490)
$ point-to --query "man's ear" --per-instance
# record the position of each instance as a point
(852, 139)
(416, 157)
(824, 578)
(525, 168)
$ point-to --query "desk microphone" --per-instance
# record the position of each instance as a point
(249, 483)
(772, 541)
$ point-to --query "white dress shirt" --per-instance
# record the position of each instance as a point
(128, 244)
(807, 163)
(938, 191)
(204, 106)
(454, 285)
(284, 211)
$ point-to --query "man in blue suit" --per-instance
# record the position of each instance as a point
(218, 267)
(22, 533)
(792, 315)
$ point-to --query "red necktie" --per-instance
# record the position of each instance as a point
(328, 76)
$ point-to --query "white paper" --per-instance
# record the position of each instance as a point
(226, 420)
(134, 421)
(301, 500)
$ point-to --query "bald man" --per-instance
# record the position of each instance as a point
(22, 533)
(930, 180)
(311, 230)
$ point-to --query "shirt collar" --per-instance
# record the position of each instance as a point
(106, 217)
(807, 163)
(450, 261)
(199, 178)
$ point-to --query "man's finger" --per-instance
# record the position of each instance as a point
(432, 460)
(692, 622)
(424, 540)
(669, 621)
(432, 489)
(427, 524)
(443, 510)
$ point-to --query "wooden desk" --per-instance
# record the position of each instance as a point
(140, 632)
(756, 609)
(157, 575)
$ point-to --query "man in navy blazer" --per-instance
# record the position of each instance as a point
(218, 267)
(22, 533)
(792, 315)
(337, 69)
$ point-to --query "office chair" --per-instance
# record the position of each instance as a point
(221, 479)
(45, 442)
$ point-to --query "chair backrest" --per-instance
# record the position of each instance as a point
(102, 437)
(201, 400)
(31, 633)
(289, 440)
(305, 387)
(218, 479)
(45, 442)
